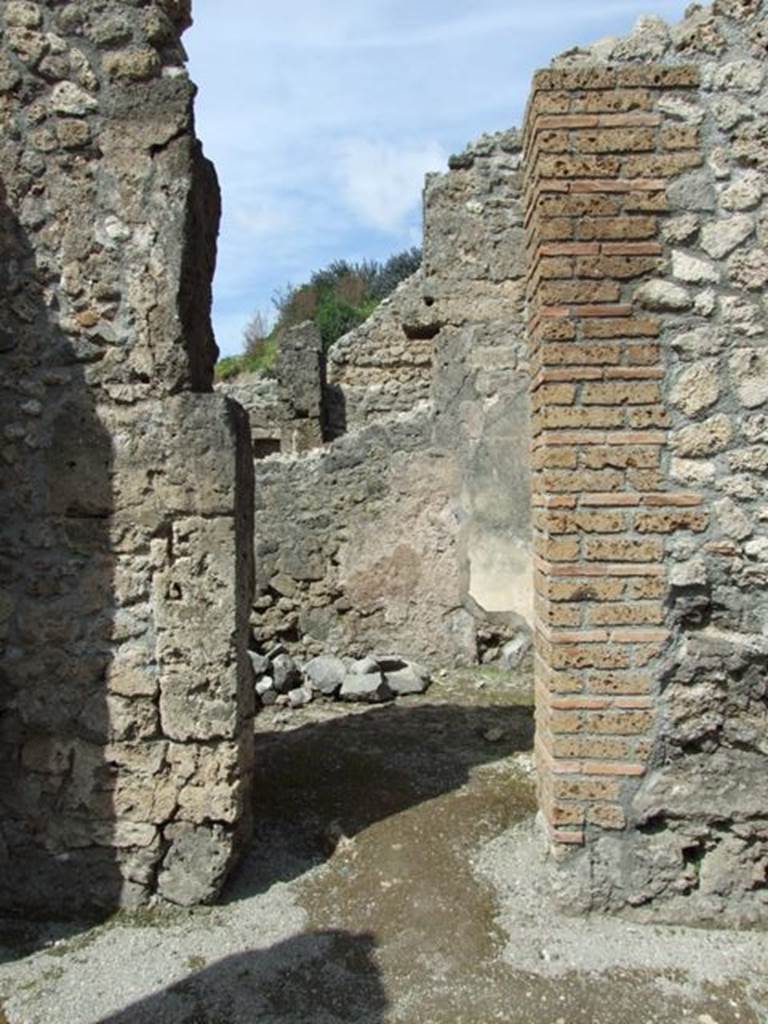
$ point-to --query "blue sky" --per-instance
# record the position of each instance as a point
(323, 117)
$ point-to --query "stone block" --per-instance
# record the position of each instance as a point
(196, 863)
(370, 688)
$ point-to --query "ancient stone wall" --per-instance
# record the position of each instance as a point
(647, 249)
(258, 395)
(409, 532)
(474, 288)
(287, 411)
(385, 365)
(127, 554)
(341, 572)
(301, 388)
(127, 501)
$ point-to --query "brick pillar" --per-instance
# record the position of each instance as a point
(599, 157)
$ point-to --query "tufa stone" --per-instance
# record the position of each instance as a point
(722, 236)
(285, 674)
(325, 674)
(195, 865)
(732, 519)
(692, 269)
(370, 688)
(696, 388)
(68, 98)
(663, 296)
(749, 371)
(713, 435)
(407, 680)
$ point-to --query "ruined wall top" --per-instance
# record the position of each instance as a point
(98, 153)
(702, 35)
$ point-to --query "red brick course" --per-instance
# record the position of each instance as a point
(599, 158)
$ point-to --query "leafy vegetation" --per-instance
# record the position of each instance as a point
(337, 298)
(261, 361)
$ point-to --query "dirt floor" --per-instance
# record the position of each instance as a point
(396, 878)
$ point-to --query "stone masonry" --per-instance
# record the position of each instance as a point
(383, 366)
(645, 165)
(286, 411)
(409, 530)
(644, 270)
(594, 286)
(126, 515)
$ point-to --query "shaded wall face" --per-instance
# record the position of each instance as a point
(647, 241)
(120, 527)
(474, 278)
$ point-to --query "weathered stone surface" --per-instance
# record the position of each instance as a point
(139, 767)
(385, 365)
(732, 520)
(729, 112)
(370, 688)
(266, 411)
(722, 236)
(743, 314)
(130, 574)
(300, 696)
(702, 341)
(406, 680)
(683, 227)
(673, 842)
(748, 368)
(365, 665)
(263, 686)
(285, 673)
(301, 379)
(692, 191)
(692, 269)
(738, 75)
(514, 651)
(680, 107)
(196, 865)
(706, 438)
(68, 98)
(698, 33)
(259, 663)
(749, 269)
(697, 388)
(325, 673)
(692, 573)
(663, 296)
(356, 580)
(744, 194)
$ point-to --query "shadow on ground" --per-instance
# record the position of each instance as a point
(320, 784)
(325, 977)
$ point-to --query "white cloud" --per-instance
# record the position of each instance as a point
(381, 182)
(261, 220)
(441, 30)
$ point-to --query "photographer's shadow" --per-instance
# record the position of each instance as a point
(326, 977)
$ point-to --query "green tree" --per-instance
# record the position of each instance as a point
(337, 298)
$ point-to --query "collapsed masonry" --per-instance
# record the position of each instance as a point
(610, 263)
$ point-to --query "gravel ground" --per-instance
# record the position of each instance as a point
(397, 877)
